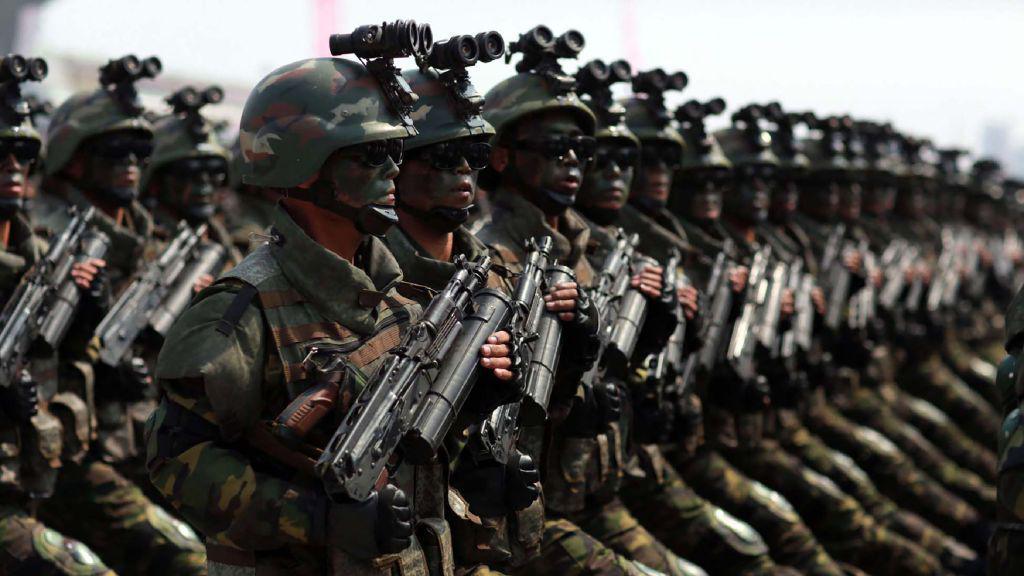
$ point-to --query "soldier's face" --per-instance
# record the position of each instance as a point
(441, 176)
(188, 186)
(879, 198)
(113, 163)
(606, 185)
(821, 200)
(850, 202)
(785, 199)
(750, 198)
(356, 182)
(659, 162)
(16, 158)
(910, 200)
(561, 173)
(705, 199)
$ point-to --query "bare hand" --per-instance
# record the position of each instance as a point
(202, 282)
(688, 299)
(788, 304)
(852, 261)
(877, 277)
(818, 299)
(738, 278)
(562, 298)
(495, 355)
(649, 281)
(84, 273)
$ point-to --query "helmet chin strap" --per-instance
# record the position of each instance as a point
(440, 218)
(121, 196)
(550, 202)
(600, 216)
(646, 203)
(372, 219)
(11, 206)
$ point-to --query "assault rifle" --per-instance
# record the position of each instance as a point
(43, 304)
(160, 294)
(382, 414)
(717, 306)
(742, 343)
(837, 279)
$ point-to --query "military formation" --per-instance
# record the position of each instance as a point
(398, 327)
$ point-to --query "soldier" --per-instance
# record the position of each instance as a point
(96, 144)
(434, 192)
(662, 501)
(1007, 543)
(253, 206)
(234, 360)
(30, 434)
(543, 142)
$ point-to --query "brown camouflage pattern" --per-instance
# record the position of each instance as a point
(83, 116)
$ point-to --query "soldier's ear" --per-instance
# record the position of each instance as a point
(499, 158)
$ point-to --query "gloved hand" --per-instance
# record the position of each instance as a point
(492, 490)
(609, 401)
(381, 524)
(20, 400)
(521, 481)
(135, 379)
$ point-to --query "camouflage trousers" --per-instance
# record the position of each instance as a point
(790, 541)
(969, 366)
(929, 378)
(1006, 553)
(895, 475)
(846, 530)
(690, 525)
(853, 480)
(569, 551)
(935, 425)
(97, 504)
(866, 407)
(29, 548)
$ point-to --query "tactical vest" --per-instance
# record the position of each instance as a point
(295, 326)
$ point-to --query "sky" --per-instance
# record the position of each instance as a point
(938, 68)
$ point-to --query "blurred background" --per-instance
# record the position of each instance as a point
(946, 69)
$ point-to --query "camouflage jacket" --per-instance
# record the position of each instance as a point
(165, 225)
(419, 268)
(658, 233)
(252, 215)
(23, 249)
(209, 448)
(129, 242)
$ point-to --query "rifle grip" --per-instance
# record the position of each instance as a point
(307, 409)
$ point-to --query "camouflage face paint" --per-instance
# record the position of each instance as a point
(113, 165)
(785, 199)
(706, 201)
(749, 201)
(355, 184)
(14, 173)
(606, 185)
(425, 187)
(551, 183)
(850, 201)
(189, 185)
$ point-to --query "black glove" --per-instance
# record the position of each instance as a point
(609, 402)
(521, 481)
(381, 524)
(20, 400)
(134, 379)
(492, 490)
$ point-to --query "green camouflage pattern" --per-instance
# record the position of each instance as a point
(299, 114)
(789, 540)
(703, 152)
(27, 546)
(846, 530)
(525, 94)
(1006, 383)
(96, 504)
(83, 116)
(611, 122)
(173, 140)
(435, 114)
(1006, 548)
(569, 551)
(645, 127)
(743, 148)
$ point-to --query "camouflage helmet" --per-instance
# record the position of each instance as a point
(825, 148)
(235, 165)
(987, 178)
(954, 168)
(299, 114)
(526, 94)
(701, 150)
(114, 107)
(16, 111)
(881, 150)
(436, 115)
(646, 124)
(185, 134)
(746, 142)
(786, 146)
(919, 157)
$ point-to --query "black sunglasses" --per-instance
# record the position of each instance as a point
(24, 150)
(751, 171)
(621, 156)
(653, 155)
(188, 168)
(449, 155)
(558, 147)
(376, 153)
(121, 147)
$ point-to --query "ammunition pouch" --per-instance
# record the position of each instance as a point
(41, 451)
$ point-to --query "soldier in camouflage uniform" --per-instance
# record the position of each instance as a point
(1006, 547)
(544, 136)
(433, 194)
(662, 499)
(320, 130)
(253, 208)
(31, 431)
(97, 143)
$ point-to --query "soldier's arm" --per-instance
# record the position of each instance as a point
(196, 453)
(11, 268)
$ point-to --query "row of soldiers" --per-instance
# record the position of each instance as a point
(568, 335)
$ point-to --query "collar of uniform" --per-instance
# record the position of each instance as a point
(141, 220)
(23, 241)
(420, 268)
(342, 291)
(655, 239)
(524, 220)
